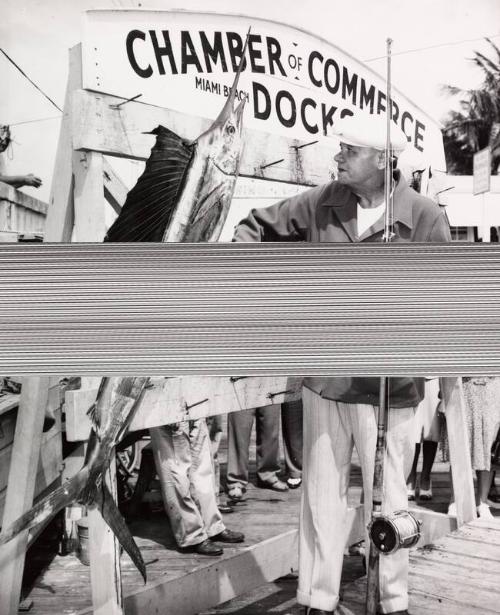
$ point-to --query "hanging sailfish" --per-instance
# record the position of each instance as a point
(186, 189)
(110, 415)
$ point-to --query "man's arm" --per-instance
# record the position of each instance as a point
(17, 181)
(288, 220)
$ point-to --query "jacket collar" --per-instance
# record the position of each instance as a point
(345, 203)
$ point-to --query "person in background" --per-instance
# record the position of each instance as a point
(18, 181)
(340, 412)
(427, 439)
(215, 429)
(239, 430)
(291, 427)
(184, 465)
(482, 397)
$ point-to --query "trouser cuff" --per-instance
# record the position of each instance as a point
(317, 601)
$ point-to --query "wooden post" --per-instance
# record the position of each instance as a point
(104, 555)
(88, 197)
(59, 223)
(460, 460)
(104, 549)
(20, 487)
(115, 191)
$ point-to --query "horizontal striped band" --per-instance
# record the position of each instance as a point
(250, 309)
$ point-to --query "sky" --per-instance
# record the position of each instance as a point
(433, 43)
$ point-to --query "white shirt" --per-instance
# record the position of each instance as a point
(367, 216)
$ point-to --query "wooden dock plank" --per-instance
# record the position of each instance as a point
(265, 514)
(458, 574)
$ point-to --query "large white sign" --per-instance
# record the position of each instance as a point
(295, 83)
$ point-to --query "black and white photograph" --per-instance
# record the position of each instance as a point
(250, 307)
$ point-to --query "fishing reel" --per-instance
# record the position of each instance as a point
(398, 530)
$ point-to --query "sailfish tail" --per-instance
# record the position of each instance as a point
(116, 523)
(48, 506)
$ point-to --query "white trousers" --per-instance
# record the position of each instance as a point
(330, 431)
(184, 466)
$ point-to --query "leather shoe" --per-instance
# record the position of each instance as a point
(228, 536)
(404, 612)
(293, 482)
(277, 485)
(225, 509)
(204, 548)
(311, 611)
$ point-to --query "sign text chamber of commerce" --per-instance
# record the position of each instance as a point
(295, 84)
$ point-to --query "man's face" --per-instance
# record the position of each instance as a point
(356, 164)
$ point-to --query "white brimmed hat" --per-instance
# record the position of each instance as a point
(369, 131)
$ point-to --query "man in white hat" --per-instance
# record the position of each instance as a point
(340, 412)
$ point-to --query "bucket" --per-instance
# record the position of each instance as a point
(83, 541)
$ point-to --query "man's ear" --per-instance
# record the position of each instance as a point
(381, 160)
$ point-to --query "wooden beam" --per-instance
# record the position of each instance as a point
(434, 525)
(115, 191)
(170, 400)
(460, 459)
(59, 222)
(224, 579)
(21, 486)
(98, 126)
(49, 464)
(12, 195)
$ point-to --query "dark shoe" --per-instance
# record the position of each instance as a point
(225, 509)
(293, 482)
(310, 611)
(204, 548)
(405, 612)
(228, 536)
(277, 485)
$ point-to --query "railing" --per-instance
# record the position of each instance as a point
(20, 214)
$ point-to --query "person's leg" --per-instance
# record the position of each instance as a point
(411, 481)
(430, 436)
(267, 424)
(172, 455)
(202, 477)
(239, 428)
(291, 426)
(326, 464)
(393, 571)
(429, 450)
(483, 487)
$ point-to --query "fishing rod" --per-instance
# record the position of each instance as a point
(388, 533)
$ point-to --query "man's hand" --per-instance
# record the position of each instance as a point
(17, 181)
(32, 180)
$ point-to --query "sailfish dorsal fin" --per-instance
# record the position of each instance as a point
(149, 205)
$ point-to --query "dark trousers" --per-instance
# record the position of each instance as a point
(291, 425)
(239, 429)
